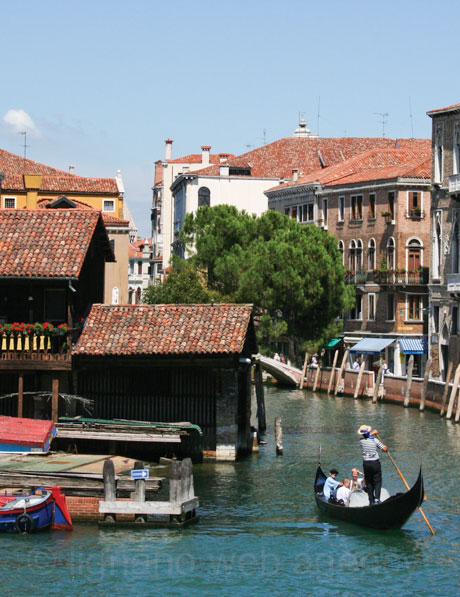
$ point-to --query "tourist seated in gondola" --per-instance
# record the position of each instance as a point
(343, 492)
(371, 462)
(356, 482)
(331, 484)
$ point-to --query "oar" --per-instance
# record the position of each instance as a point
(407, 485)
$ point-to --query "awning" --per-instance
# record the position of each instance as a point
(333, 342)
(414, 345)
(371, 345)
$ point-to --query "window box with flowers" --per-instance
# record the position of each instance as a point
(388, 216)
(36, 337)
(416, 213)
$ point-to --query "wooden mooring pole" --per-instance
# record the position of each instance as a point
(317, 374)
(446, 389)
(453, 393)
(339, 376)
(20, 394)
(410, 369)
(331, 378)
(377, 385)
(110, 494)
(259, 383)
(304, 372)
(358, 383)
(55, 400)
(278, 436)
(426, 377)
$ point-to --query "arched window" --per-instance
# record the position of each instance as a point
(204, 197)
(352, 256)
(342, 251)
(371, 254)
(438, 153)
(391, 253)
(130, 296)
(455, 248)
(437, 247)
(414, 255)
(359, 254)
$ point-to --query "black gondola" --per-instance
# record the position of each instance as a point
(390, 514)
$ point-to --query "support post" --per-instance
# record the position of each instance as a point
(110, 494)
(175, 470)
(317, 374)
(278, 436)
(358, 383)
(410, 369)
(55, 400)
(187, 489)
(139, 488)
(426, 377)
(339, 376)
(331, 378)
(261, 417)
(304, 372)
(446, 389)
(453, 394)
(20, 394)
(377, 385)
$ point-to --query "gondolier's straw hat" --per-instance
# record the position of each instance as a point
(363, 428)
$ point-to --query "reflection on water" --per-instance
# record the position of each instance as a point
(260, 531)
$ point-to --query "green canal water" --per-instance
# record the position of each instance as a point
(260, 532)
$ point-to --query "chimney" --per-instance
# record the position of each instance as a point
(72, 169)
(295, 174)
(223, 157)
(168, 149)
(224, 169)
(205, 153)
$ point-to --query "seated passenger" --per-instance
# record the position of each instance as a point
(330, 485)
(356, 481)
(343, 492)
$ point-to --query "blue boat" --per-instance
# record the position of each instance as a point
(42, 509)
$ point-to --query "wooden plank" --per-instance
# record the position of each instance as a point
(331, 378)
(453, 393)
(171, 508)
(34, 365)
(446, 389)
(426, 377)
(113, 436)
(304, 371)
(410, 370)
(317, 374)
(377, 385)
(339, 376)
(358, 383)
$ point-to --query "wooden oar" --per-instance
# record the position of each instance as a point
(407, 485)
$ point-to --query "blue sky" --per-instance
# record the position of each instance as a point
(105, 82)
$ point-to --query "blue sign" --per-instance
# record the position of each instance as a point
(139, 473)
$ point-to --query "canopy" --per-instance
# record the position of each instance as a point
(413, 345)
(333, 342)
(371, 345)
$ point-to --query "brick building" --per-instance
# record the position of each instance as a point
(377, 204)
(445, 230)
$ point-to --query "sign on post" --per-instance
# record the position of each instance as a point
(139, 473)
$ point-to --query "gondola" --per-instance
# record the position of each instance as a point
(392, 513)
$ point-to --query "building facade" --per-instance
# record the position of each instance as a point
(445, 237)
(144, 271)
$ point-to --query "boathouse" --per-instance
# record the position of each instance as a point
(172, 363)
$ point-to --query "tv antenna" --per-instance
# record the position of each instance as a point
(25, 146)
(263, 138)
(319, 108)
(383, 122)
(411, 121)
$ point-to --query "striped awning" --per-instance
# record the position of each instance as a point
(371, 345)
(333, 342)
(414, 345)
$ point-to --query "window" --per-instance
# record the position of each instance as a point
(342, 251)
(115, 295)
(325, 213)
(391, 253)
(356, 312)
(391, 204)
(371, 306)
(455, 249)
(139, 267)
(9, 202)
(108, 205)
(414, 255)
(204, 197)
(112, 245)
(294, 212)
(55, 305)
(437, 246)
(356, 207)
(308, 212)
(359, 254)
(341, 210)
(287, 211)
(438, 143)
(131, 267)
(390, 307)
(454, 326)
(352, 256)
(456, 152)
(372, 205)
(436, 319)
(371, 255)
(414, 307)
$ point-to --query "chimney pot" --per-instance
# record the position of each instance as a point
(168, 149)
(205, 154)
(295, 174)
(72, 169)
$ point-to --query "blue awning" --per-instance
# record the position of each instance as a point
(414, 345)
(333, 342)
(371, 345)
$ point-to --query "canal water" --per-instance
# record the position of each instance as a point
(260, 532)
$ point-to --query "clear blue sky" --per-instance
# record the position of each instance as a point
(105, 82)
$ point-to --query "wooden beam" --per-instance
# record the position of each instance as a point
(118, 437)
(377, 385)
(55, 400)
(7, 365)
(317, 374)
(331, 378)
(358, 383)
(446, 389)
(425, 384)
(20, 394)
(339, 376)
(453, 394)
(304, 371)
(410, 369)
(153, 507)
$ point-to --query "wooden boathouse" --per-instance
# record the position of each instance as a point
(172, 363)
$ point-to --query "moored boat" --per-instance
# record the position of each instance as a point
(42, 509)
(392, 513)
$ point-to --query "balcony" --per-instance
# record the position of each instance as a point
(453, 283)
(33, 349)
(358, 277)
(415, 214)
(454, 184)
(401, 278)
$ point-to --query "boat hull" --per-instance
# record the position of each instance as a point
(393, 513)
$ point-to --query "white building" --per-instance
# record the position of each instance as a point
(142, 269)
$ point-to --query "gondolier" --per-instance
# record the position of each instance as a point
(371, 462)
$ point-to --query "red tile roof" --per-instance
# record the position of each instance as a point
(164, 330)
(278, 159)
(53, 180)
(196, 158)
(446, 109)
(372, 165)
(135, 247)
(50, 243)
(108, 218)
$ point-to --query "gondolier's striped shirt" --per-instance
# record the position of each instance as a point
(369, 447)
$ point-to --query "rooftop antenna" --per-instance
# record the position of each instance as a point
(319, 108)
(383, 121)
(411, 121)
(263, 138)
(25, 142)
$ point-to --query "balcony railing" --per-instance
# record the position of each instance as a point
(358, 277)
(454, 184)
(401, 278)
(415, 214)
(35, 346)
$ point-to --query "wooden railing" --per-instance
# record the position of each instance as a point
(35, 346)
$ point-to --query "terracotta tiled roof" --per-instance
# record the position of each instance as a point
(111, 220)
(164, 330)
(372, 165)
(108, 218)
(54, 180)
(135, 247)
(446, 109)
(196, 158)
(46, 243)
(278, 159)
